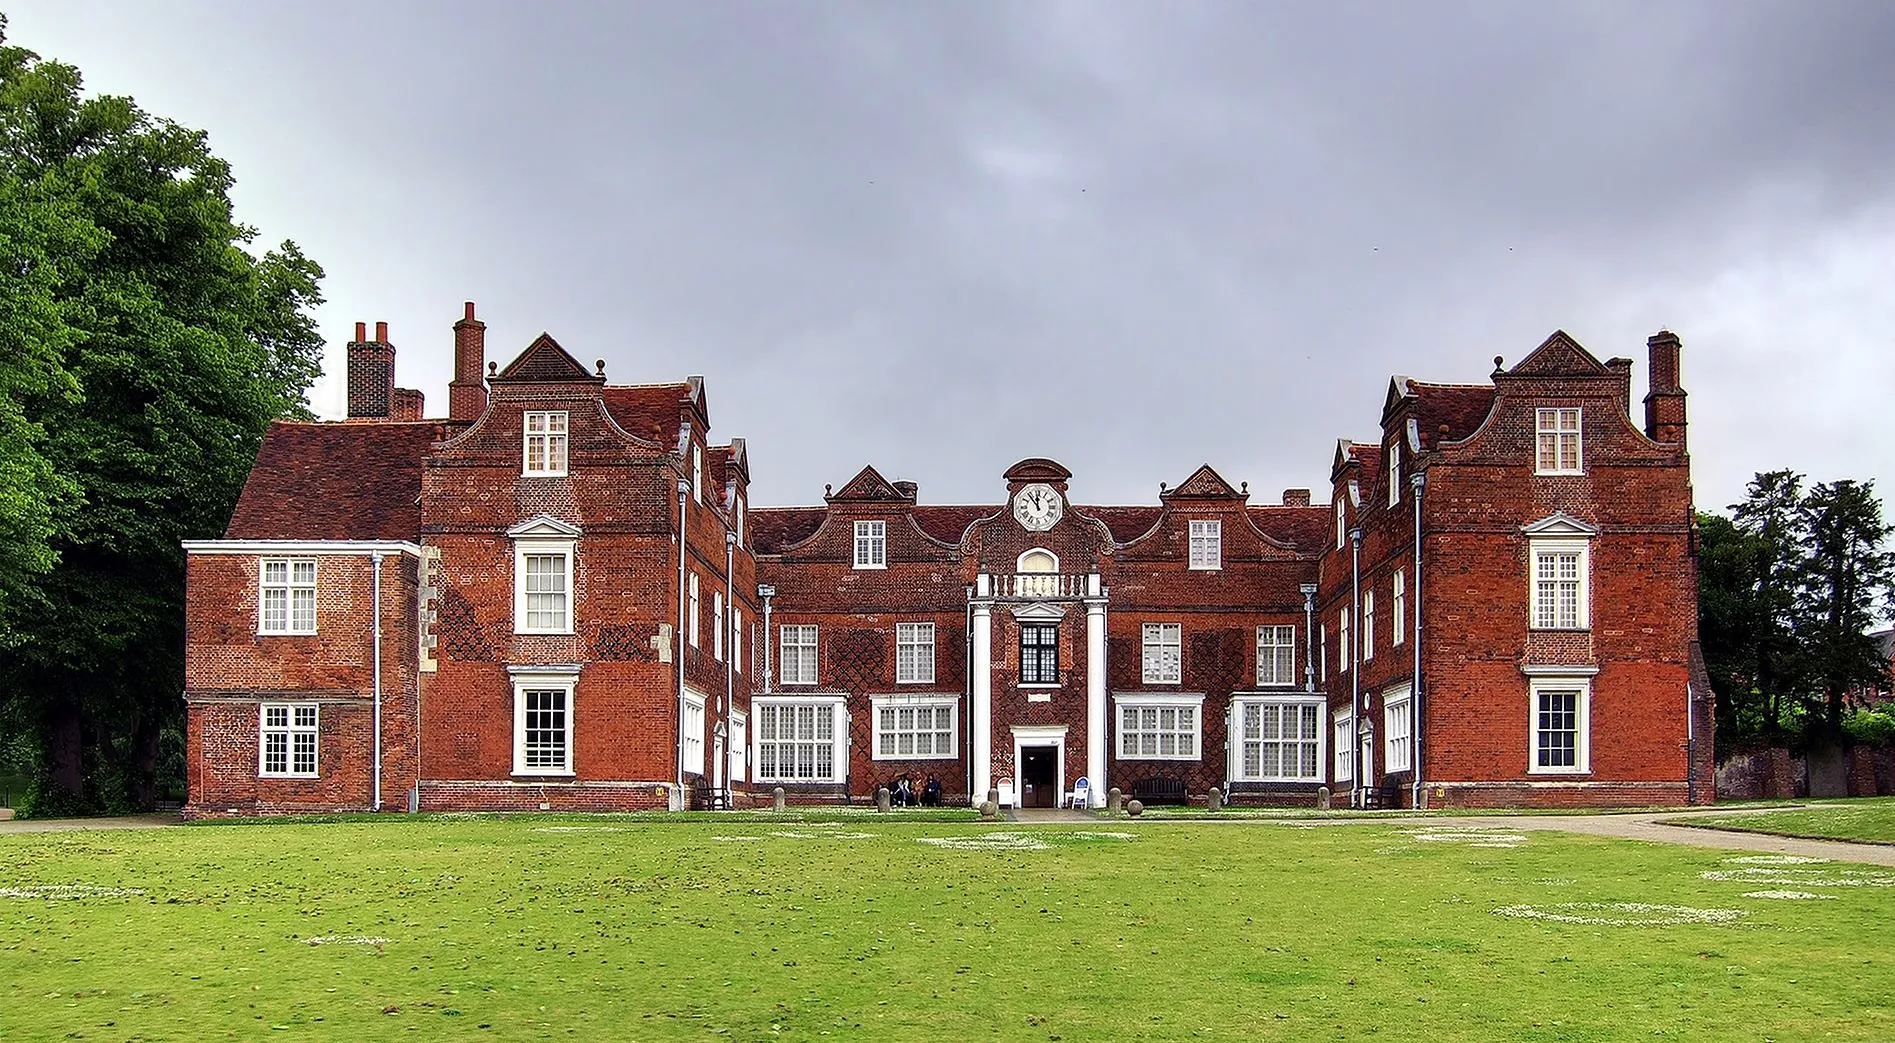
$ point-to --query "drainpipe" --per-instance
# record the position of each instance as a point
(1690, 746)
(766, 592)
(1419, 480)
(375, 802)
(1360, 782)
(967, 683)
(684, 494)
(730, 659)
(1309, 637)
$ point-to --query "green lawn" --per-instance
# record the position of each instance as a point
(1870, 820)
(570, 928)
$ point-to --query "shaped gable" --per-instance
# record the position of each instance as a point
(1559, 356)
(1204, 484)
(869, 485)
(545, 362)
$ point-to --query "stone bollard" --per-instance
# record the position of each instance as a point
(881, 798)
(779, 800)
(1135, 808)
(1214, 799)
(993, 797)
(1113, 799)
(1322, 798)
(989, 811)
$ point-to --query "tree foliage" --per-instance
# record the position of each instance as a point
(143, 351)
(1790, 586)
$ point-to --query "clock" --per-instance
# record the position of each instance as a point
(1037, 507)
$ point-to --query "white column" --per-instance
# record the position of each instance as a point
(981, 695)
(1097, 726)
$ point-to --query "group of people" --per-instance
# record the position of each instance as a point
(906, 791)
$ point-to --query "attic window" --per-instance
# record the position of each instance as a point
(1207, 544)
(1557, 438)
(697, 474)
(871, 544)
(545, 451)
(1394, 452)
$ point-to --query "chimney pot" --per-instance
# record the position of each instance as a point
(381, 332)
(361, 332)
(466, 394)
(467, 311)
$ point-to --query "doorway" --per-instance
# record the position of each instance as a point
(1039, 777)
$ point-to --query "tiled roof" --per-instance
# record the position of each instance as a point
(1305, 528)
(948, 523)
(1462, 407)
(650, 411)
(335, 481)
(717, 470)
(776, 529)
(1126, 523)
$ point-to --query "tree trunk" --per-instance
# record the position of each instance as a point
(142, 772)
(62, 730)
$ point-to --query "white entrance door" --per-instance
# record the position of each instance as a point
(739, 748)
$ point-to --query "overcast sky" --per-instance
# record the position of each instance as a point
(1133, 237)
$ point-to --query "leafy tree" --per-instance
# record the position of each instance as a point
(1789, 587)
(1846, 581)
(143, 350)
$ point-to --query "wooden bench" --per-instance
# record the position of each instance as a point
(1159, 790)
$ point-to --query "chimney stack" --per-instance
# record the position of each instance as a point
(467, 392)
(1296, 497)
(1664, 403)
(371, 373)
(1622, 374)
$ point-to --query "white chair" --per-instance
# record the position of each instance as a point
(1007, 799)
(1082, 793)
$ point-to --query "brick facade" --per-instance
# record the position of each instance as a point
(650, 669)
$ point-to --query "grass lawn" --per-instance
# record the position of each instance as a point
(622, 929)
(1870, 820)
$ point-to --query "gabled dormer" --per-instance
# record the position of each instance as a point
(545, 362)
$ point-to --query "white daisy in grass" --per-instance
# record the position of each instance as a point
(1472, 836)
(1790, 876)
(1103, 834)
(337, 939)
(1788, 896)
(579, 829)
(1775, 860)
(68, 891)
(988, 842)
(1621, 914)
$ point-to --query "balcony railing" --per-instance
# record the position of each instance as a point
(1043, 586)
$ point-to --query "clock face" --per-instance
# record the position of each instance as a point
(1037, 507)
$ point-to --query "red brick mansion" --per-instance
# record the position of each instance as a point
(559, 597)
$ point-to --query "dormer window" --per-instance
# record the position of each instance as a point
(545, 449)
(1557, 439)
(871, 544)
(1207, 544)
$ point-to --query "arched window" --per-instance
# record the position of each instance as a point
(1043, 567)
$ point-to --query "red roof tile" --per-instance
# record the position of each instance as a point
(717, 471)
(335, 481)
(1462, 407)
(650, 411)
(774, 530)
(948, 522)
(1126, 523)
(1305, 528)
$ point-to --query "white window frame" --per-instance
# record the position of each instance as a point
(1241, 740)
(524, 682)
(791, 668)
(917, 668)
(697, 472)
(1538, 687)
(737, 519)
(691, 734)
(1558, 429)
(1322, 649)
(767, 712)
(1398, 608)
(695, 607)
(1342, 745)
(887, 732)
(1342, 524)
(301, 732)
(1368, 625)
(871, 544)
(294, 589)
(1398, 746)
(1275, 647)
(1394, 451)
(1155, 638)
(739, 746)
(1207, 544)
(1343, 651)
(1177, 702)
(524, 549)
(551, 434)
(717, 625)
(1544, 596)
(736, 637)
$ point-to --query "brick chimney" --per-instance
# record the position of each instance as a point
(1664, 403)
(371, 373)
(408, 404)
(1296, 497)
(467, 392)
(1622, 376)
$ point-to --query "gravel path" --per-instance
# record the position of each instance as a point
(55, 825)
(1650, 828)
